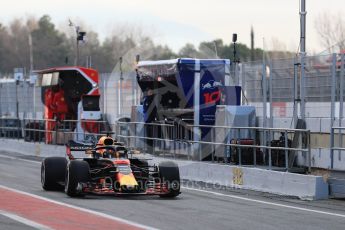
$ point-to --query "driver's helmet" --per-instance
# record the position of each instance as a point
(106, 152)
(105, 141)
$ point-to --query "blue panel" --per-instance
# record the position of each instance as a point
(185, 80)
(231, 95)
(212, 79)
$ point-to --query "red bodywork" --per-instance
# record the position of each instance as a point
(56, 98)
(104, 187)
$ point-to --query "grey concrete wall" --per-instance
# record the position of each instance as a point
(283, 183)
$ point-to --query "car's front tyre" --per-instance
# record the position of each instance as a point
(170, 177)
(77, 172)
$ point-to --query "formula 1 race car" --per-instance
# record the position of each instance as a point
(108, 169)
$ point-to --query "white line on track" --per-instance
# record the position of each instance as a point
(24, 220)
(81, 209)
(15, 158)
(266, 202)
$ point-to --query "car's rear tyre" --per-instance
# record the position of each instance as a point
(53, 173)
(170, 176)
(77, 172)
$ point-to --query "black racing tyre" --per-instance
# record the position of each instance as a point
(170, 175)
(76, 172)
(53, 173)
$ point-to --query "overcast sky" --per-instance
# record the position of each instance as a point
(180, 21)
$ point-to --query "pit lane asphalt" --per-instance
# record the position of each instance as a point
(193, 209)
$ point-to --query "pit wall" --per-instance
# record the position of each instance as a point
(303, 186)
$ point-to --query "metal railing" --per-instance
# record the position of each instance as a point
(176, 139)
(59, 132)
(175, 134)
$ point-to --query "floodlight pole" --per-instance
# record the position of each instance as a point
(302, 56)
(303, 14)
(236, 60)
(79, 37)
(120, 90)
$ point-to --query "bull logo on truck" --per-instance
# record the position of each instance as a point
(211, 84)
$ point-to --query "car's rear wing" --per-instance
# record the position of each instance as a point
(78, 147)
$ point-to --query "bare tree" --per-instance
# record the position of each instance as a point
(330, 29)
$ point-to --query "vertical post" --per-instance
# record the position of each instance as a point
(213, 132)
(269, 154)
(31, 53)
(302, 86)
(295, 92)
(254, 149)
(303, 14)
(190, 142)
(286, 151)
(17, 102)
(0, 102)
(334, 63)
(341, 103)
(237, 77)
(120, 90)
(104, 97)
(77, 55)
(196, 129)
(30, 73)
(243, 84)
(34, 100)
(154, 136)
(264, 94)
(309, 153)
(238, 141)
(264, 100)
(133, 91)
(56, 133)
(145, 137)
(134, 143)
(118, 97)
(270, 94)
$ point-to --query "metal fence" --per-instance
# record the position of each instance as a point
(276, 87)
(176, 140)
(20, 99)
(286, 88)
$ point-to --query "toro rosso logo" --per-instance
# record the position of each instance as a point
(211, 97)
(211, 84)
